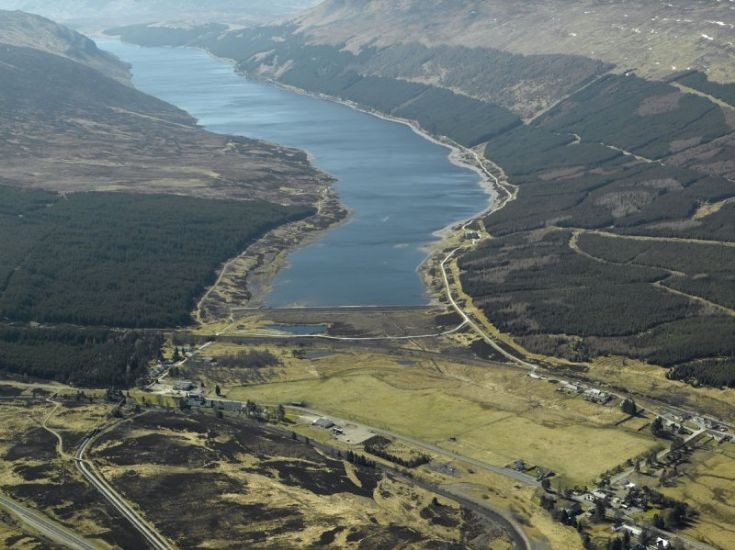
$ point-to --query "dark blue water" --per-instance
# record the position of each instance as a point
(400, 188)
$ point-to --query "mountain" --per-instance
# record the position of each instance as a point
(95, 14)
(26, 30)
(611, 129)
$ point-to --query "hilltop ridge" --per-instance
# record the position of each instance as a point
(655, 38)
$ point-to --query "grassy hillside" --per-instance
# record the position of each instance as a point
(657, 37)
(95, 14)
(32, 31)
(66, 126)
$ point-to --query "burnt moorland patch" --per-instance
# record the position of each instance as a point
(248, 484)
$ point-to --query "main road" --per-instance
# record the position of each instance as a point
(154, 538)
(46, 527)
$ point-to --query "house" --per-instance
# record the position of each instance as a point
(632, 529)
(572, 389)
(183, 385)
(570, 507)
(597, 396)
(519, 465)
(323, 423)
(543, 473)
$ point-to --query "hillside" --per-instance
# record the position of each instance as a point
(656, 38)
(68, 126)
(31, 31)
(608, 152)
(96, 14)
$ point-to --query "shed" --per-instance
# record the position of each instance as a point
(323, 423)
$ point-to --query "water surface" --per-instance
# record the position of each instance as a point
(399, 187)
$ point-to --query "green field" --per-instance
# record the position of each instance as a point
(708, 485)
(495, 415)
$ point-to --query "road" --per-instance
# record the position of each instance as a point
(165, 373)
(57, 435)
(357, 338)
(155, 539)
(468, 321)
(507, 472)
(46, 527)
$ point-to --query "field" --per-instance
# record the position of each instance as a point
(484, 409)
(708, 484)
(266, 490)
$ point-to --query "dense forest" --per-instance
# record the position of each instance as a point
(119, 259)
(712, 372)
(333, 71)
(699, 81)
(86, 357)
(645, 117)
(561, 292)
(703, 270)
(168, 36)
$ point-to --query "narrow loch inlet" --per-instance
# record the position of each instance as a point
(399, 187)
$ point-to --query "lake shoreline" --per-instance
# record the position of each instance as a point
(499, 191)
(271, 254)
